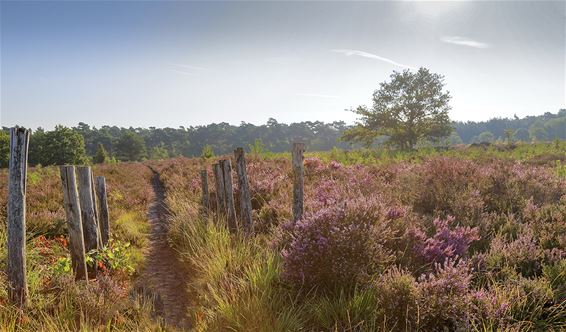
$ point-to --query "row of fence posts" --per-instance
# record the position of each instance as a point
(225, 204)
(86, 208)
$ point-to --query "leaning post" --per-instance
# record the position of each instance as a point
(104, 216)
(17, 174)
(298, 180)
(243, 184)
(229, 193)
(74, 221)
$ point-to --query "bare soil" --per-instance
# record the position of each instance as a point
(164, 273)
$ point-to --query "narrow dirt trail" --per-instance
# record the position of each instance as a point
(163, 270)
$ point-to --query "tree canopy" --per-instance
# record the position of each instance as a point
(57, 147)
(410, 107)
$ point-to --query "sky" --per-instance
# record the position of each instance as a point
(171, 64)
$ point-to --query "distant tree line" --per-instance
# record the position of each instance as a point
(544, 127)
(83, 143)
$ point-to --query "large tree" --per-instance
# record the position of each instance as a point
(60, 146)
(410, 107)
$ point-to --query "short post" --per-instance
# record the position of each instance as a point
(88, 213)
(204, 187)
(104, 216)
(219, 185)
(243, 184)
(17, 174)
(229, 193)
(74, 221)
(298, 180)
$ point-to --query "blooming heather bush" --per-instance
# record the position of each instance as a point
(445, 187)
(446, 298)
(335, 246)
(522, 254)
(490, 309)
(445, 243)
(507, 187)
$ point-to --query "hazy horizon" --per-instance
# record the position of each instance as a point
(171, 64)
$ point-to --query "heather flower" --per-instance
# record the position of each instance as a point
(445, 242)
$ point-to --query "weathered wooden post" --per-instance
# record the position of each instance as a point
(96, 212)
(298, 179)
(243, 184)
(74, 221)
(17, 175)
(103, 215)
(88, 213)
(219, 185)
(204, 187)
(229, 193)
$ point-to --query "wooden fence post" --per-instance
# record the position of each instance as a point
(298, 180)
(17, 174)
(204, 187)
(104, 216)
(243, 184)
(229, 193)
(96, 210)
(74, 221)
(88, 214)
(219, 184)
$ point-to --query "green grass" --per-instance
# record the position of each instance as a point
(542, 153)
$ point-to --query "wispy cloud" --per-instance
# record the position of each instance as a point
(349, 52)
(463, 41)
(181, 72)
(318, 95)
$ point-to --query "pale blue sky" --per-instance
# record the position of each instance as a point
(192, 63)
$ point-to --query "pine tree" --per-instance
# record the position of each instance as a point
(101, 155)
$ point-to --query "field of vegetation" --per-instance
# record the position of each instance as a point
(470, 238)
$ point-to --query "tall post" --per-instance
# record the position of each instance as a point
(74, 221)
(96, 210)
(229, 193)
(204, 187)
(104, 216)
(219, 185)
(88, 214)
(243, 184)
(17, 175)
(298, 180)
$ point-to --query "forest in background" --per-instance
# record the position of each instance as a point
(83, 143)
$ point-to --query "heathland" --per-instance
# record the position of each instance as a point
(464, 238)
